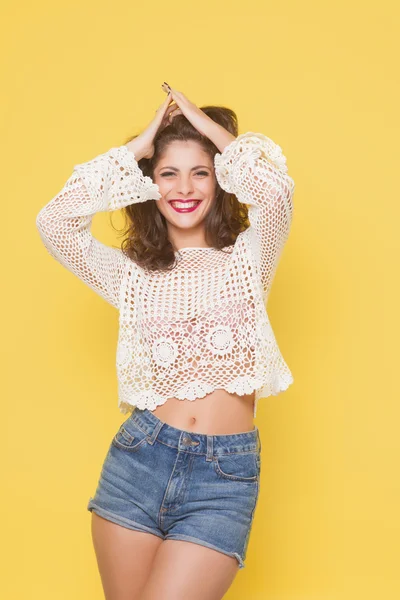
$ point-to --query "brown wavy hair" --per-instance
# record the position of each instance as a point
(146, 239)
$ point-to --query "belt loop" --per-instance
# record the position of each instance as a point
(155, 433)
(210, 448)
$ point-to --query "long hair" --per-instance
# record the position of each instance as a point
(146, 239)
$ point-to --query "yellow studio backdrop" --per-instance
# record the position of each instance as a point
(320, 79)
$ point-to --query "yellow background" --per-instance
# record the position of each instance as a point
(320, 79)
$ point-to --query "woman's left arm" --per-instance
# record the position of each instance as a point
(254, 168)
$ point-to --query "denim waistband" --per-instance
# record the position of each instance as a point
(198, 443)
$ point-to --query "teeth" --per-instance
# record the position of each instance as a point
(184, 204)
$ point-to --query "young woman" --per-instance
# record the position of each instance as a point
(208, 214)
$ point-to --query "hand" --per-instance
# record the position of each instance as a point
(193, 113)
(143, 144)
(219, 136)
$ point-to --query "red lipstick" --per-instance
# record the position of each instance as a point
(178, 205)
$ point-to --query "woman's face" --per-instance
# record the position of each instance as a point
(185, 172)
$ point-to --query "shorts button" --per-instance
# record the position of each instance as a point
(186, 439)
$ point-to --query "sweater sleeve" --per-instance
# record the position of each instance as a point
(108, 182)
(253, 168)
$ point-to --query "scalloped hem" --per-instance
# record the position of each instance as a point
(152, 400)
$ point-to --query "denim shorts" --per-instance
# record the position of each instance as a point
(181, 485)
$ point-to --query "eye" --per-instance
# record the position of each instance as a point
(168, 173)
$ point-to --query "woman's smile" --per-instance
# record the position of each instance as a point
(184, 206)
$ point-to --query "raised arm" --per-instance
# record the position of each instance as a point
(108, 182)
(254, 168)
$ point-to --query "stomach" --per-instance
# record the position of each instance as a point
(218, 413)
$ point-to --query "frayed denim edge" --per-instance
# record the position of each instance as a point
(207, 545)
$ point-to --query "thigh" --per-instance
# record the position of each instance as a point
(184, 570)
(124, 558)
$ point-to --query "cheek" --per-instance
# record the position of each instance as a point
(162, 207)
(207, 189)
(163, 185)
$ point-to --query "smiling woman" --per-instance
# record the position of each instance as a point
(195, 350)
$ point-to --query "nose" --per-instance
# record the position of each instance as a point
(185, 186)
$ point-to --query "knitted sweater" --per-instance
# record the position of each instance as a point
(203, 325)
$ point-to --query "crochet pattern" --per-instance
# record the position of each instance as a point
(204, 325)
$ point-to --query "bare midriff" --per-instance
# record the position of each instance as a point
(217, 413)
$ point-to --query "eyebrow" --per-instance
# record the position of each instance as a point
(192, 169)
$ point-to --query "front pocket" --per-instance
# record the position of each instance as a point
(131, 440)
(239, 466)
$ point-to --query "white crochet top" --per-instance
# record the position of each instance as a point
(203, 325)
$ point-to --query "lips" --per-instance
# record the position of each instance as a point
(184, 206)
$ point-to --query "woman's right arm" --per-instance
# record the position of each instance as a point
(108, 182)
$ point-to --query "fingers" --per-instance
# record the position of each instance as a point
(167, 99)
(170, 107)
(171, 111)
(166, 87)
(175, 93)
(166, 102)
(178, 95)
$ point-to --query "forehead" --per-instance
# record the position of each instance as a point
(184, 154)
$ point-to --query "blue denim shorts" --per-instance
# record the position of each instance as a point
(181, 485)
